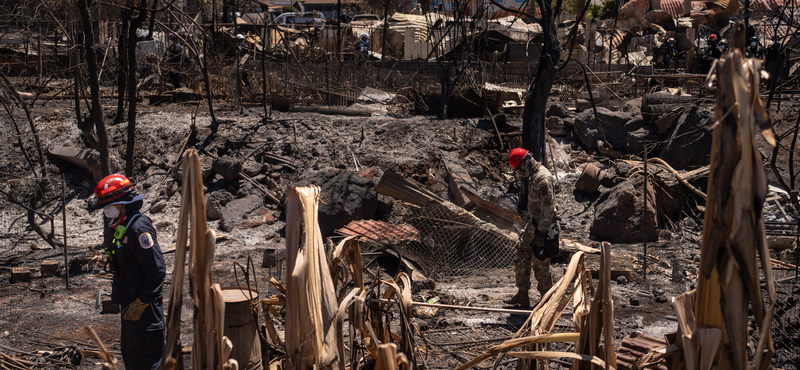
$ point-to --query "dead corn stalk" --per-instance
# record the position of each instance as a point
(713, 320)
(311, 305)
(210, 349)
(535, 333)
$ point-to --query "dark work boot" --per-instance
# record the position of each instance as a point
(520, 299)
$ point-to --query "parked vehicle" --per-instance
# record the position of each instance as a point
(300, 19)
(365, 20)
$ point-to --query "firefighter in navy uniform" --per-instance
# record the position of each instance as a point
(139, 272)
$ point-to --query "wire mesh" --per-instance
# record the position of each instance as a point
(453, 245)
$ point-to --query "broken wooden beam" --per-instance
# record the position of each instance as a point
(460, 181)
(508, 215)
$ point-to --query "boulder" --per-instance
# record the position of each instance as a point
(689, 145)
(614, 126)
(345, 197)
(251, 168)
(637, 139)
(227, 167)
(215, 202)
(557, 109)
(654, 105)
(618, 214)
(240, 213)
(556, 127)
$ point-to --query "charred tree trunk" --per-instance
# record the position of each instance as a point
(533, 127)
(133, 94)
(94, 86)
(122, 49)
(207, 83)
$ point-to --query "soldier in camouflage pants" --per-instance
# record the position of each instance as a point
(541, 233)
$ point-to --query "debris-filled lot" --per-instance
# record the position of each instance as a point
(246, 162)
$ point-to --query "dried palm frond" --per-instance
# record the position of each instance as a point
(716, 333)
(209, 346)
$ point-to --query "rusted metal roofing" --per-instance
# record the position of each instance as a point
(635, 347)
(378, 231)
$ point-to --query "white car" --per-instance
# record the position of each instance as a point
(293, 19)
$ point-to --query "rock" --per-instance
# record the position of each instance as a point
(634, 301)
(665, 235)
(234, 211)
(658, 291)
(636, 140)
(172, 188)
(228, 167)
(654, 105)
(615, 127)
(696, 258)
(622, 280)
(690, 142)
(251, 168)
(346, 197)
(618, 214)
(269, 219)
(556, 127)
(319, 151)
(158, 206)
(215, 202)
(632, 106)
(669, 199)
(662, 299)
(40, 246)
(663, 264)
(557, 109)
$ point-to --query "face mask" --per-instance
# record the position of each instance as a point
(111, 212)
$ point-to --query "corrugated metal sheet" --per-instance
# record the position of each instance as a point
(421, 24)
(634, 347)
(675, 7)
(492, 87)
(378, 231)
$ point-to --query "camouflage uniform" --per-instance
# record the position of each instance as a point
(541, 209)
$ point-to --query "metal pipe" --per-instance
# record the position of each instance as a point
(64, 214)
(454, 307)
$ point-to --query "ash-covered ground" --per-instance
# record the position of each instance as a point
(42, 314)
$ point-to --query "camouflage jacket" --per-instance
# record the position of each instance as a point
(541, 206)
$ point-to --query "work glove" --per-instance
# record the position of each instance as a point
(538, 240)
(133, 312)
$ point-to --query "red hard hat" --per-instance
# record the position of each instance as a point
(671, 40)
(712, 37)
(515, 157)
(112, 189)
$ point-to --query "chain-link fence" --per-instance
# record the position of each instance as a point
(452, 245)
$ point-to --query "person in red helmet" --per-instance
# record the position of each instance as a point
(139, 271)
(539, 240)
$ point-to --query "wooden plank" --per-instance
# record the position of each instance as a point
(459, 179)
(494, 208)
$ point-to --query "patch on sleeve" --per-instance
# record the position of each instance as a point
(146, 240)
